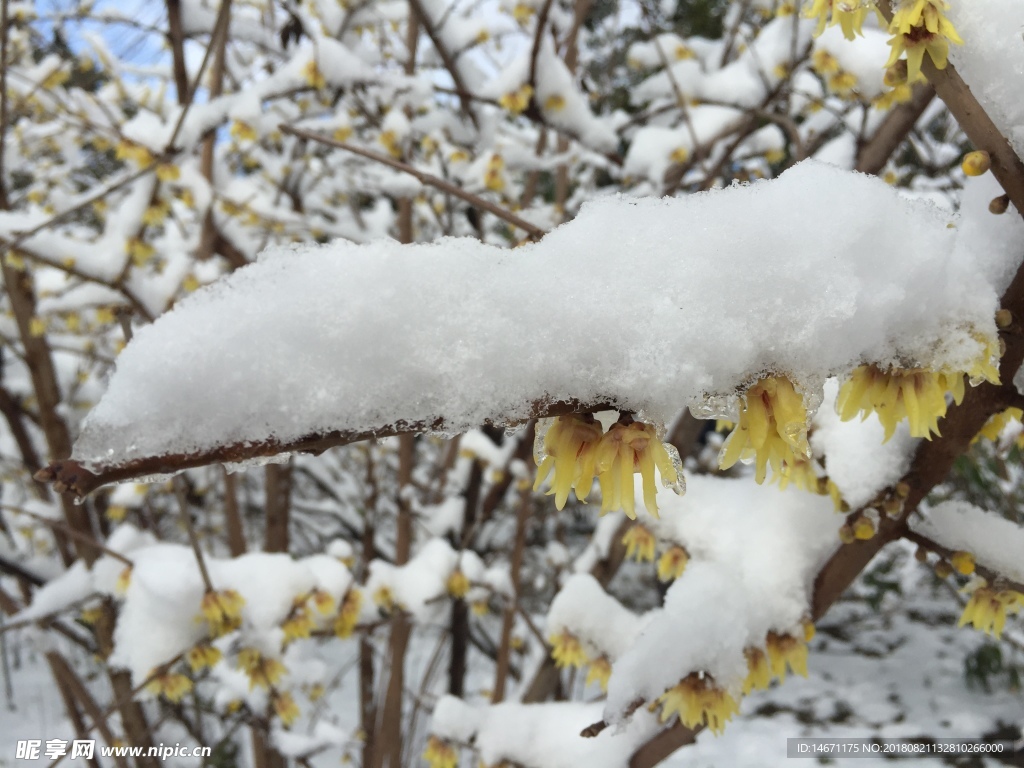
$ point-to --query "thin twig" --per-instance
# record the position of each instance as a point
(536, 233)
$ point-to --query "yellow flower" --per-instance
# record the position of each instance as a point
(172, 686)
(202, 656)
(348, 616)
(842, 83)
(139, 251)
(392, 143)
(222, 611)
(625, 449)
(917, 394)
(640, 543)
(286, 709)
(679, 155)
(384, 598)
(458, 585)
(919, 27)
(116, 513)
(314, 78)
(554, 103)
(786, 650)
(987, 609)
(137, 154)
(600, 671)
(518, 100)
(566, 650)
(344, 133)
(824, 63)
(570, 448)
(323, 601)
(522, 12)
(848, 14)
(672, 563)
(124, 579)
(262, 671)
(155, 214)
(298, 626)
(698, 701)
(168, 172)
(494, 177)
(772, 428)
(997, 423)
(440, 754)
(759, 674)
(962, 562)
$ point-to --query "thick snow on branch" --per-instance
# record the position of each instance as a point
(540, 735)
(991, 61)
(646, 303)
(754, 551)
(994, 541)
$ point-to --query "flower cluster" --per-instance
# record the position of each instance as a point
(567, 650)
(919, 27)
(848, 14)
(915, 394)
(782, 652)
(578, 450)
(222, 611)
(698, 701)
(440, 754)
(988, 608)
(772, 428)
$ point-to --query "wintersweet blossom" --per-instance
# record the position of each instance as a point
(698, 701)
(600, 672)
(848, 14)
(458, 584)
(919, 27)
(285, 708)
(988, 608)
(440, 754)
(222, 611)
(171, 685)
(298, 626)
(759, 673)
(263, 672)
(915, 394)
(628, 448)
(348, 616)
(786, 650)
(640, 543)
(203, 656)
(772, 427)
(566, 650)
(570, 449)
(672, 563)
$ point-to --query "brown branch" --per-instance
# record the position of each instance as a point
(420, 13)
(475, 200)
(991, 576)
(875, 153)
(73, 475)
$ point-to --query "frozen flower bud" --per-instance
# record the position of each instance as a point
(976, 163)
(999, 205)
(943, 569)
(921, 555)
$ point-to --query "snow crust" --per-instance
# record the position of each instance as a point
(994, 541)
(650, 303)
